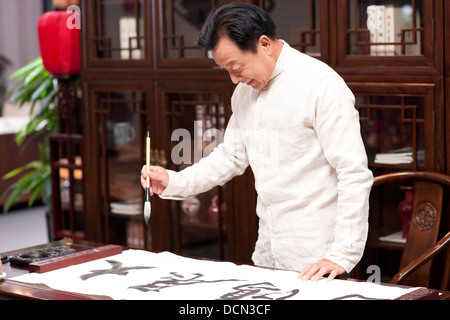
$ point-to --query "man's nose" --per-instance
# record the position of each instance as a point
(234, 78)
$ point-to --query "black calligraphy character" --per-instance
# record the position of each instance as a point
(263, 290)
(116, 268)
(174, 280)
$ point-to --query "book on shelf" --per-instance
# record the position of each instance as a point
(390, 26)
(377, 26)
(396, 237)
(399, 156)
(130, 44)
(133, 207)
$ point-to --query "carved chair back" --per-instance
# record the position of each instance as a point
(428, 203)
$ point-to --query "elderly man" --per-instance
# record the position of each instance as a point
(295, 124)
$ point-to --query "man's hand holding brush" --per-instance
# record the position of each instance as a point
(159, 179)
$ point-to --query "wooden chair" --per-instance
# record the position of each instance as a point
(421, 243)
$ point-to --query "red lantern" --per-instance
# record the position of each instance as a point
(59, 42)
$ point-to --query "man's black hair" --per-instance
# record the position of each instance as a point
(243, 23)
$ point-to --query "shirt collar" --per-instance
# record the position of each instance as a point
(279, 66)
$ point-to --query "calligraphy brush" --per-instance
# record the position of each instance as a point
(147, 206)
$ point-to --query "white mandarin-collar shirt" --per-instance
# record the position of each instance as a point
(301, 137)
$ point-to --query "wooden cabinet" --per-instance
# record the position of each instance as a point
(141, 68)
(397, 81)
(391, 54)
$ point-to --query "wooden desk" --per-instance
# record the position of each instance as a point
(11, 290)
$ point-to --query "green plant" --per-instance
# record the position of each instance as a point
(36, 87)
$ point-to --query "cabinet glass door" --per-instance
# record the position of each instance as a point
(179, 28)
(194, 126)
(393, 127)
(298, 23)
(397, 33)
(120, 132)
(397, 126)
(118, 31)
(385, 28)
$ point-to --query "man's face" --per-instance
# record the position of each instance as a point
(247, 67)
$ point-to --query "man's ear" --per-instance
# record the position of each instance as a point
(265, 44)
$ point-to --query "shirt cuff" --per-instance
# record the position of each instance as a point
(175, 188)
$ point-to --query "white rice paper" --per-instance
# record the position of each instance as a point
(139, 275)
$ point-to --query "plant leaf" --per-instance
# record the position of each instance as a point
(19, 73)
(33, 75)
(40, 91)
(13, 173)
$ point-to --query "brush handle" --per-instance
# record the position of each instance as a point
(148, 157)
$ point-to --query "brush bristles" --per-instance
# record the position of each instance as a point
(147, 209)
